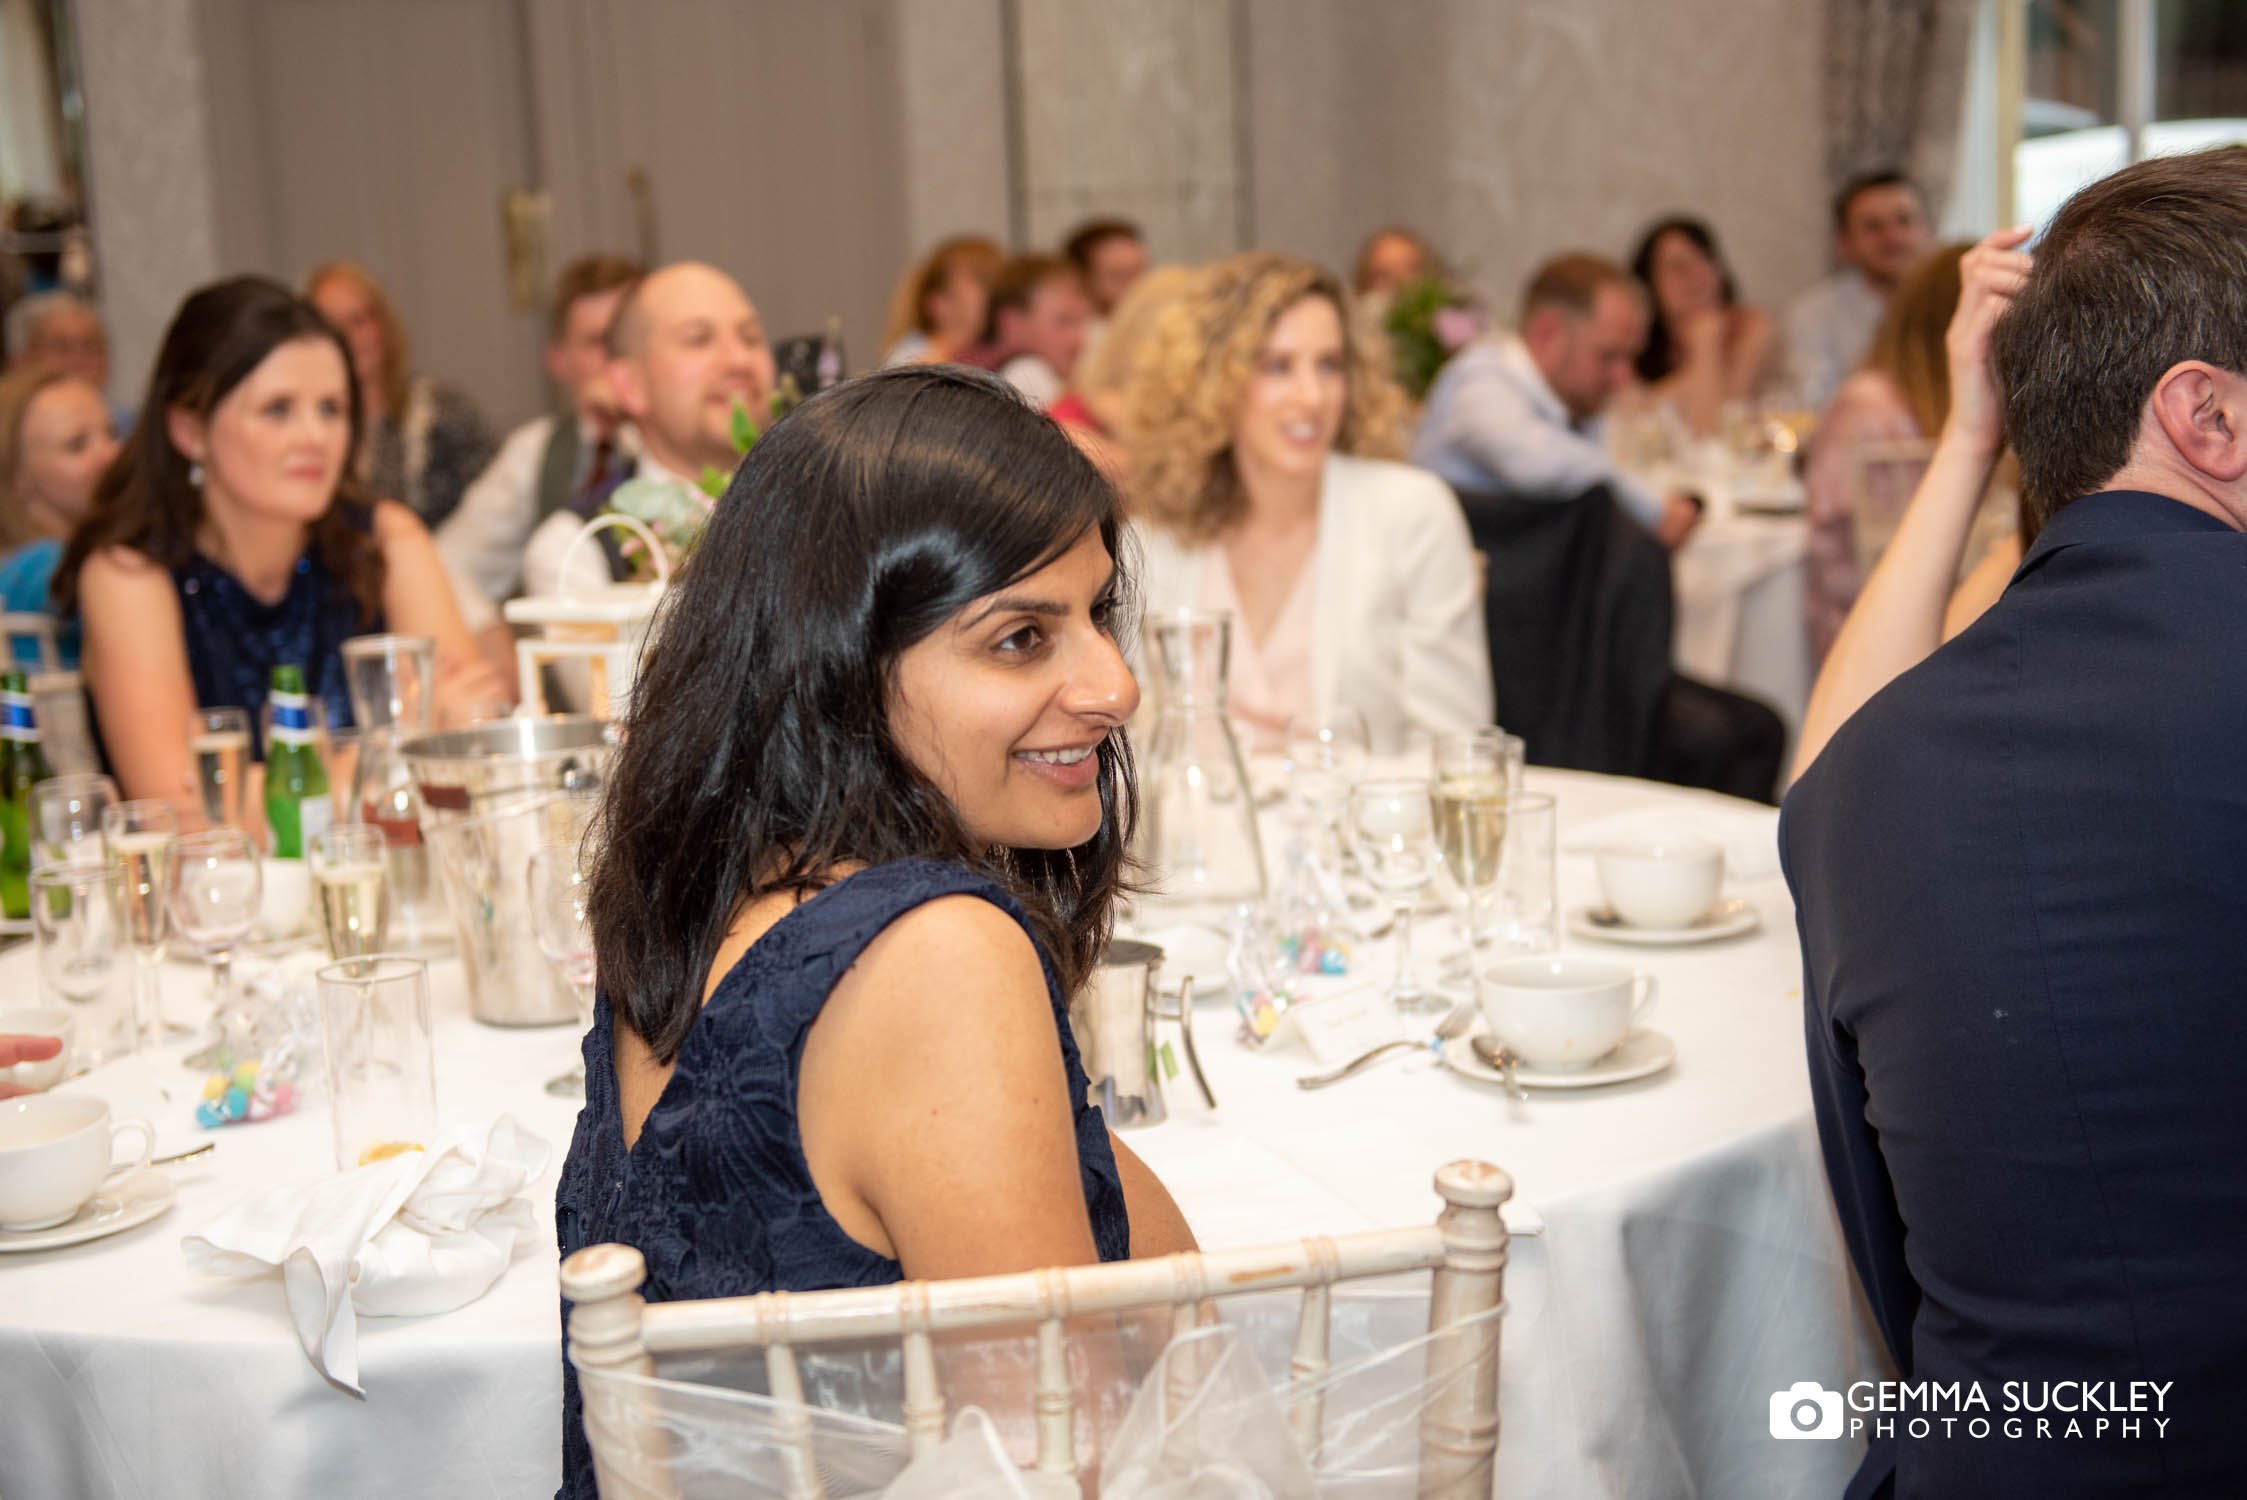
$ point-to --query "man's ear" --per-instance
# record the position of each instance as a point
(628, 384)
(2202, 410)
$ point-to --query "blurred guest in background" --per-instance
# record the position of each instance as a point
(685, 348)
(1110, 254)
(1865, 447)
(941, 302)
(63, 332)
(1095, 411)
(1259, 432)
(1390, 260)
(1519, 415)
(1035, 331)
(55, 440)
(1703, 348)
(550, 459)
(228, 538)
(1880, 232)
(420, 441)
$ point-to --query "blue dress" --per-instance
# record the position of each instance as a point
(25, 575)
(716, 1193)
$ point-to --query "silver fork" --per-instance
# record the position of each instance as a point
(1457, 1023)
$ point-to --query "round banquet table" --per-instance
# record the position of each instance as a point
(1676, 1259)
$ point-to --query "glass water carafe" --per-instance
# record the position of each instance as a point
(391, 678)
(1201, 849)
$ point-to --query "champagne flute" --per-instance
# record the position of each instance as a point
(78, 917)
(1475, 776)
(219, 741)
(350, 878)
(558, 920)
(66, 819)
(139, 836)
(1395, 835)
(214, 887)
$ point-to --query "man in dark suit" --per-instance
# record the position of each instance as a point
(2021, 877)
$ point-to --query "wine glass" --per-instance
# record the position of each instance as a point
(139, 836)
(78, 918)
(66, 819)
(214, 887)
(1395, 835)
(1325, 753)
(558, 921)
(218, 740)
(351, 883)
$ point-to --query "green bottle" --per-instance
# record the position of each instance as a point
(296, 784)
(22, 765)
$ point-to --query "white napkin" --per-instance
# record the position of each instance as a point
(424, 1232)
(1749, 836)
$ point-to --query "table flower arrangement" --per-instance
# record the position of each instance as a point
(1427, 322)
(678, 514)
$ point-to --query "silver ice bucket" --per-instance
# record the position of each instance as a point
(492, 795)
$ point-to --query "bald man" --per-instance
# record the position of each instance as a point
(685, 347)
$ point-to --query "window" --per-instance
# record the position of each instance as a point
(2096, 84)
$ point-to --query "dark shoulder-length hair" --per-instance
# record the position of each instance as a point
(147, 500)
(1659, 356)
(758, 755)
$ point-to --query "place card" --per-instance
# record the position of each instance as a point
(1338, 1027)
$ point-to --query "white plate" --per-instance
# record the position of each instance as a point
(15, 927)
(143, 1196)
(1643, 1053)
(1728, 920)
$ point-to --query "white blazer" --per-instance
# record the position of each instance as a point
(1397, 601)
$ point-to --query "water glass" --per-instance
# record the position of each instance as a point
(351, 888)
(1529, 914)
(391, 679)
(218, 741)
(66, 819)
(214, 889)
(1325, 753)
(1395, 837)
(558, 890)
(78, 918)
(139, 836)
(376, 1034)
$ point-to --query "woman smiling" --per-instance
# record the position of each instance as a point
(1258, 430)
(862, 842)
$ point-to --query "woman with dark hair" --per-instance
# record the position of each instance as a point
(861, 843)
(227, 539)
(1702, 347)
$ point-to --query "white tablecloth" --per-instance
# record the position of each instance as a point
(1683, 1264)
(1739, 583)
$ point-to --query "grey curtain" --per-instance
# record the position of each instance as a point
(1895, 81)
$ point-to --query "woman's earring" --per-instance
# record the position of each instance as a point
(195, 473)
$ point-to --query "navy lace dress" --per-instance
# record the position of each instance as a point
(716, 1193)
(235, 639)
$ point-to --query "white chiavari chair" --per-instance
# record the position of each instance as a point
(617, 1338)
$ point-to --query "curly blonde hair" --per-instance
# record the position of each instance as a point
(1193, 374)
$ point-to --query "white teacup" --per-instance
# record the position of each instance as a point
(58, 1150)
(1661, 883)
(1563, 1014)
(37, 1020)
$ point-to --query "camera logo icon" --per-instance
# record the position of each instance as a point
(1806, 1409)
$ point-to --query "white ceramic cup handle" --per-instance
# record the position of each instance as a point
(120, 1170)
(1643, 989)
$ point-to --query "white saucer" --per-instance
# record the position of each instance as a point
(145, 1195)
(1643, 1053)
(1732, 918)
